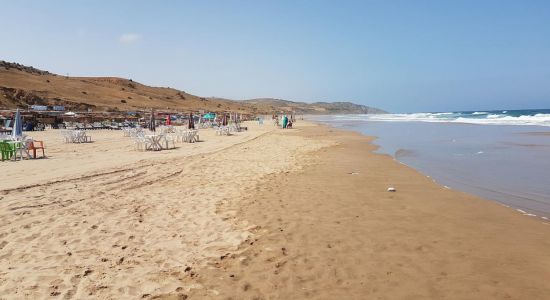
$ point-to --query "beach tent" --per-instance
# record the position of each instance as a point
(152, 121)
(17, 130)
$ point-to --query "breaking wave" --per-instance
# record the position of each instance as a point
(539, 117)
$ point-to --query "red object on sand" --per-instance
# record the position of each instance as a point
(168, 121)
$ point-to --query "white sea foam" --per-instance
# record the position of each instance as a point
(487, 119)
(480, 113)
(536, 120)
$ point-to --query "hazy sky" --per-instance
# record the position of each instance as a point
(402, 56)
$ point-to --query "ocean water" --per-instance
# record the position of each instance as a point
(498, 155)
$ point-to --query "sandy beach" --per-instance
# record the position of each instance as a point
(261, 214)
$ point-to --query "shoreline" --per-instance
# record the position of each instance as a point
(335, 232)
(510, 197)
(517, 209)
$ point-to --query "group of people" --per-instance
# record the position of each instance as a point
(286, 122)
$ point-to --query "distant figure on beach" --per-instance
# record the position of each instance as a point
(285, 121)
(289, 125)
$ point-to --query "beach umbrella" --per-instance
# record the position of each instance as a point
(17, 130)
(224, 120)
(191, 121)
(152, 121)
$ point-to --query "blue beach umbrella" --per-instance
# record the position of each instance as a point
(17, 130)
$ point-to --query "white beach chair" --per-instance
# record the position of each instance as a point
(169, 139)
(195, 137)
(67, 136)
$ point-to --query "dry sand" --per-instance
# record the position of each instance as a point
(102, 221)
(264, 214)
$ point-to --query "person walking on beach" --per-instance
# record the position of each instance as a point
(285, 121)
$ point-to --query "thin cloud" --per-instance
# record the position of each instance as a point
(129, 38)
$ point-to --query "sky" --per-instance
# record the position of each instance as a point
(401, 56)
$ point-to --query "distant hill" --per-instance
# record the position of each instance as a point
(21, 86)
(269, 104)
